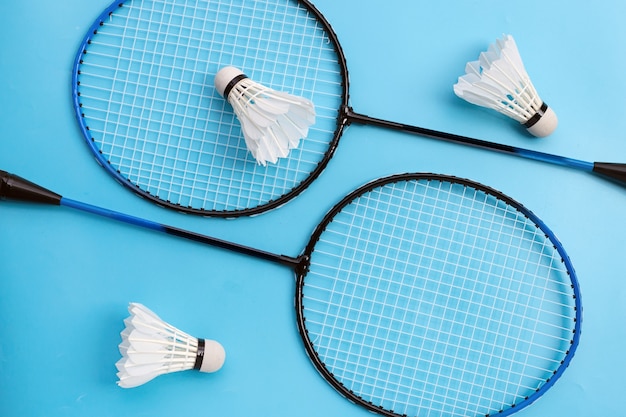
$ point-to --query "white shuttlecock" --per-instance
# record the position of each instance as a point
(273, 122)
(498, 80)
(150, 347)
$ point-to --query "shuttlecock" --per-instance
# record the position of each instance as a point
(498, 80)
(273, 122)
(150, 347)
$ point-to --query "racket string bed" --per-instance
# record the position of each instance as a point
(145, 99)
(446, 323)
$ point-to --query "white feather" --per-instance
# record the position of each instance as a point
(272, 122)
(499, 81)
(151, 347)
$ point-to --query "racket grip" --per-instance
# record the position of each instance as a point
(613, 171)
(13, 187)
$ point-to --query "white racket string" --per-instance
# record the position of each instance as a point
(151, 113)
(429, 297)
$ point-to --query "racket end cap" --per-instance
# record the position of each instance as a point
(224, 77)
(546, 122)
(214, 356)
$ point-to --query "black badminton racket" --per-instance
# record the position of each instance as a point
(421, 295)
(144, 96)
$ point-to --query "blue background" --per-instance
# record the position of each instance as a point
(66, 277)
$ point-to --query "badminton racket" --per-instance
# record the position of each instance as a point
(144, 97)
(421, 295)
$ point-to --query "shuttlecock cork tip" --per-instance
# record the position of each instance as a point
(212, 357)
(543, 123)
(226, 78)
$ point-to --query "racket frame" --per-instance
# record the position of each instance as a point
(342, 122)
(328, 218)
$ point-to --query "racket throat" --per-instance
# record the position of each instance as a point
(301, 267)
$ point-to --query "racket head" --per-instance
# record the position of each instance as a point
(433, 295)
(145, 100)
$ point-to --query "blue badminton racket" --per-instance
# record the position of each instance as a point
(420, 295)
(144, 97)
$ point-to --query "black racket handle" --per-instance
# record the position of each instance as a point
(17, 188)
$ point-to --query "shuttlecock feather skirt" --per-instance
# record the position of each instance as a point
(499, 81)
(151, 347)
(273, 122)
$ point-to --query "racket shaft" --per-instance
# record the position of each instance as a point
(615, 171)
(170, 230)
(13, 187)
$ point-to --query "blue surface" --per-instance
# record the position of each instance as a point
(67, 277)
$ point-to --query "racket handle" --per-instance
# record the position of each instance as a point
(13, 187)
(612, 171)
